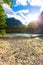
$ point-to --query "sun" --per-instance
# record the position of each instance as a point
(33, 17)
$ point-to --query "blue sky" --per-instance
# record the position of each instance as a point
(32, 9)
(25, 10)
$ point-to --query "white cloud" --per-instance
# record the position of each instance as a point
(31, 2)
(29, 17)
(7, 9)
(23, 15)
(11, 13)
(37, 3)
(32, 17)
(41, 9)
(22, 2)
(25, 19)
(25, 11)
(18, 15)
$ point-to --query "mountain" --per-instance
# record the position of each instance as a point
(36, 27)
(13, 22)
(13, 25)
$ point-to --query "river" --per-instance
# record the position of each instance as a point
(37, 36)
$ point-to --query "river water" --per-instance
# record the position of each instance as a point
(37, 36)
(19, 35)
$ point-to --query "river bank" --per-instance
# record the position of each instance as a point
(21, 51)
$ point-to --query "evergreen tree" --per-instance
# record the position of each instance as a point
(2, 15)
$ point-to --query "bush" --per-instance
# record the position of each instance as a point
(3, 32)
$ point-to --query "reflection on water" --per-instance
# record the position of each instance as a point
(41, 38)
(19, 35)
(37, 36)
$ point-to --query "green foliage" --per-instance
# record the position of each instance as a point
(3, 15)
(6, 1)
(3, 32)
(2, 20)
(10, 2)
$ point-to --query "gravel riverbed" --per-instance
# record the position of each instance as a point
(21, 51)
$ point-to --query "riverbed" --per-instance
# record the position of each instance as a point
(18, 50)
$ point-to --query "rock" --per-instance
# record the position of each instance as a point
(38, 50)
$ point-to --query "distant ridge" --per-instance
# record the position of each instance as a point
(13, 22)
(37, 26)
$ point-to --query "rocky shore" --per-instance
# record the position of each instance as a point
(21, 51)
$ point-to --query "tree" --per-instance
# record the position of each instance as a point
(2, 15)
(9, 2)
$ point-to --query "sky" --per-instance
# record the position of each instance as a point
(25, 10)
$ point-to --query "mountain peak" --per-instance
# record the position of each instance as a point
(41, 15)
(42, 12)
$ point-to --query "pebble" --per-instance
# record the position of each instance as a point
(21, 52)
